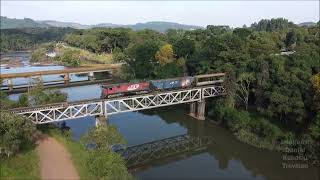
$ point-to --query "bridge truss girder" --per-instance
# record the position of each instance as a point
(67, 111)
(147, 152)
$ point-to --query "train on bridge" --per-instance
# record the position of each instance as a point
(124, 89)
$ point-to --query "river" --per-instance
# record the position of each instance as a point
(226, 158)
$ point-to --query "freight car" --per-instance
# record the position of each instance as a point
(175, 83)
(123, 89)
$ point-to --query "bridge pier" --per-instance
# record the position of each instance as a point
(66, 79)
(192, 110)
(91, 75)
(201, 110)
(10, 84)
(197, 110)
(101, 121)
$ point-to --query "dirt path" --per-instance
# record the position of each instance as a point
(55, 161)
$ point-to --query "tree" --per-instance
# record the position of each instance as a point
(107, 165)
(315, 127)
(165, 54)
(70, 57)
(291, 39)
(315, 82)
(243, 88)
(140, 61)
(183, 48)
(102, 137)
(15, 132)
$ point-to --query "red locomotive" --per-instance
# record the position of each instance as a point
(114, 90)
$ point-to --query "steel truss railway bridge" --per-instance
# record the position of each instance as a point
(101, 108)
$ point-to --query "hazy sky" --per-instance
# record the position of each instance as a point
(233, 13)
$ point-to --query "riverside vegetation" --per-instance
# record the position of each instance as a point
(18, 136)
(273, 73)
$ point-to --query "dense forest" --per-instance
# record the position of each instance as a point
(272, 71)
(272, 81)
(28, 38)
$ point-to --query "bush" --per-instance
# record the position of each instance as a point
(15, 131)
(38, 54)
(264, 129)
(232, 118)
(70, 57)
(39, 96)
(315, 127)
(107, 165)
(102, 137)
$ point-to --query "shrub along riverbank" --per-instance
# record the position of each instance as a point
(97, 162)
(17, 148)
(18, 136)
(259, 132)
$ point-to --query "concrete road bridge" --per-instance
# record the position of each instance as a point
(65, 73)
(101, 108)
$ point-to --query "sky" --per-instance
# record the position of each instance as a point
(202, 13)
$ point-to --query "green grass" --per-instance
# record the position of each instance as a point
(78, 154)
(24, 165)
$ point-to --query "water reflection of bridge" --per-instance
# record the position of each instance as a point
(145, 153)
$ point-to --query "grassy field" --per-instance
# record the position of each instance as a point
(24, 165)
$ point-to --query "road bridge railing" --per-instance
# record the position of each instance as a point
(104, 107)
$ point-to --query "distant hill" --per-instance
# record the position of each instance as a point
(11, 23)
(63, 24)
(307, 24)
(162, 26)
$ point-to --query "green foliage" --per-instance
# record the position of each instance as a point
(103, 137)
(38, 54)
(107, 165)
(99, 40)
(15, 131)
(39, 96)
(28, 38)
(24, 165)
(118, 55)
(272, 25)
(70, 57)
(315, 127)
(253, 130)
(141, 59)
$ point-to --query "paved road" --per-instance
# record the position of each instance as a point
(55, 160)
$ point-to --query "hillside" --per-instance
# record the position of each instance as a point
(11, 23)
(162, 26)
(307, 24)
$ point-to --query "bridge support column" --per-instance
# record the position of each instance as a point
(10, 84)
(66, 79)
(192, 110)
(91, 75)
(101, 121)
(201, 110)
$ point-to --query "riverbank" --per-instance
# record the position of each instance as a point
(24, 165)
